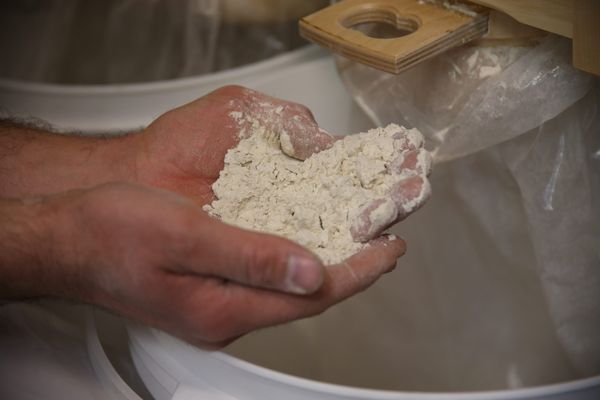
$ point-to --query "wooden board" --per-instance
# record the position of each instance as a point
(435, 29)
(586, 36)
(554, 16)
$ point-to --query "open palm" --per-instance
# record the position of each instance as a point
(184, 149)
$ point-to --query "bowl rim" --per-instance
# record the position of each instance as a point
(314, 386)
(305, 52)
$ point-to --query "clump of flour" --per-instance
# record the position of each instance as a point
(316, 201)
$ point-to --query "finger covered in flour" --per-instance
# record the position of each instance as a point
(292, 126)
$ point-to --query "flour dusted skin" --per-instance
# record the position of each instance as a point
(321, 201)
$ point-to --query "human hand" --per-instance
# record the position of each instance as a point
(156, 257)
(408, 194)
(183, 150)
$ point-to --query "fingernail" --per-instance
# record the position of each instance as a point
(285, 141)
(304, 275)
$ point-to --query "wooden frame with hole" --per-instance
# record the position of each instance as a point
(437, 29)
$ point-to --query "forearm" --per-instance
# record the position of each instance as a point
(34, 161)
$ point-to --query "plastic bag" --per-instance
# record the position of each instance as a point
(474, 98)
(500, 286)
(122, 41)
(471, 98)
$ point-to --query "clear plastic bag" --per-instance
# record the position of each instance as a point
(472, 97)
(532, 125)
(123, 41)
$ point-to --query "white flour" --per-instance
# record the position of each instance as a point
(315, 202)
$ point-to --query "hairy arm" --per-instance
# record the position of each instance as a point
(156, 257)
(34, 160)
(22, 254)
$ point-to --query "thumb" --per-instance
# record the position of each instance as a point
(299, 134)
(257, 259)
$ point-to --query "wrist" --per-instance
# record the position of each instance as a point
(22, 254)
(34, 162)
(102, 160)
(38, 252)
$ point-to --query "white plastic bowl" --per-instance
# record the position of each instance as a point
(118, 108)
(172, 369)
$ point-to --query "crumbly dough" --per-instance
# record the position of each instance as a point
(312, 202)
